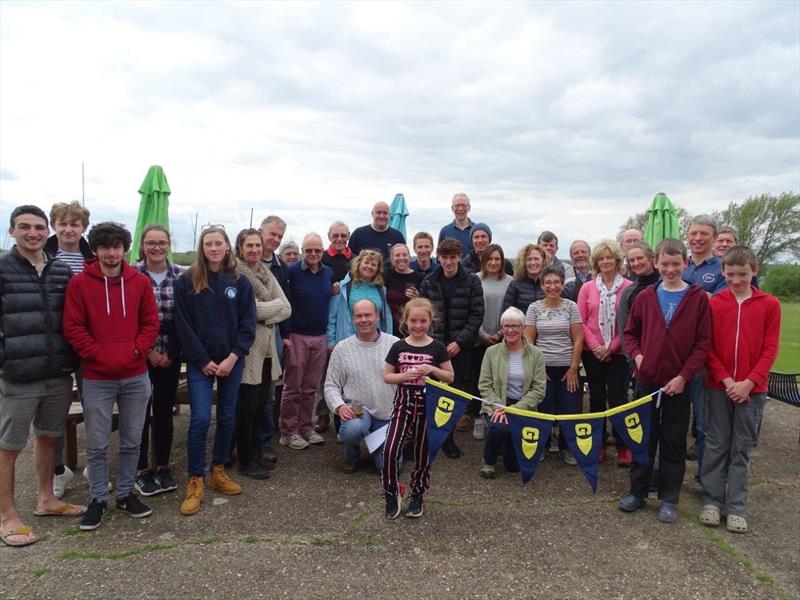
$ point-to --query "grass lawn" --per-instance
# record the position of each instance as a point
(789, 355)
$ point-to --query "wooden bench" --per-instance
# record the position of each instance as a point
(75, 417)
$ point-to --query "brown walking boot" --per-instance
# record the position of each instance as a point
(194, 496)
(222, 483)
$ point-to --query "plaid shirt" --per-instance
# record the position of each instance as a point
(167, 340)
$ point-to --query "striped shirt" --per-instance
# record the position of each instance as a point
(73, 259)
(516, 376)
(553, 336)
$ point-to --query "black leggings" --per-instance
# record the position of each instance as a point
(161, 403)
(607, 385)
(251, 404)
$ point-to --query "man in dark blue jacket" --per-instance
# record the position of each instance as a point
(36, 365)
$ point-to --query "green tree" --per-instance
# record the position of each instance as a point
(639, 221)
(768, 224)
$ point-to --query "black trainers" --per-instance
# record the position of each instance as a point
(415, 509)
(266, 464)
(165, 480)
(253, 471)
(392, 505)
(145, 484)
(93, 515)
(134, 507)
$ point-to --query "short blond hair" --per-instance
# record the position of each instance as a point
(71, 211)
(612, 248)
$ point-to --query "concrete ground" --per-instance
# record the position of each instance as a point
(311, 531)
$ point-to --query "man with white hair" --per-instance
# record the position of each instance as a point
(307, 347)
(377, 235)
(461, 227)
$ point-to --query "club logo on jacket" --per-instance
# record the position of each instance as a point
(230, 292)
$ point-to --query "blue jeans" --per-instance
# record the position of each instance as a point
(200, 390)
(354, 430)
(131, 396)
(697, 393)
(498, 441)
(557, 399)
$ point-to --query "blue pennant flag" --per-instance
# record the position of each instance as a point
(444, 406)
(632, 422)
(584, 435)
(530, 435)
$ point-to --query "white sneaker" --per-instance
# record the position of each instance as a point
(61, 482)
(294, 441)
(86, 477)
(312, 437)
(479, 429)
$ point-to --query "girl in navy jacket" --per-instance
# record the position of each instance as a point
(216, 320)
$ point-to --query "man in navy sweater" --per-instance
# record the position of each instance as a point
(307, 348)
(377, 235)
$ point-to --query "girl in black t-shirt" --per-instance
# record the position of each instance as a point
(409, 361)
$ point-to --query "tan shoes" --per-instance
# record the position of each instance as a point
(223, 484)
(194, 496)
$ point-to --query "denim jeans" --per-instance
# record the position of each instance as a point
(354, 430)
(131, 396)
(200, 391)
(498, 441)
(558, 400)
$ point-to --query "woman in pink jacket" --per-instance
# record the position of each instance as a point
(603, 359)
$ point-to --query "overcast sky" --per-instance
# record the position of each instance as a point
(567, 116)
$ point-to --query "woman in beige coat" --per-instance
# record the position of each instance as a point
(261, 366)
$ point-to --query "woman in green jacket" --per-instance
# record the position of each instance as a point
(511, 373)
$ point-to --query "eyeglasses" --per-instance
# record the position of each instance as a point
(312, 250)
(160, 244)
(342, 236)
(510, 326)
(552, 283)
(212, 226)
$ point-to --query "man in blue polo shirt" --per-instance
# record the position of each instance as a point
(461, 227)
(704, 269)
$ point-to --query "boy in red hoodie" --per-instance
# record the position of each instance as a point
(746, 326)
(668, 334)
(111, 320)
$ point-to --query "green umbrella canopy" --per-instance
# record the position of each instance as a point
(154, 205)
(398, 212)
(662, 220)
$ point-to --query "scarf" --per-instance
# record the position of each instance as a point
(607, 315)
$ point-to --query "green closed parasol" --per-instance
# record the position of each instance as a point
(154, 205)
(662, 220)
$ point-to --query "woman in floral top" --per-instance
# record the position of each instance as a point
(554, 325)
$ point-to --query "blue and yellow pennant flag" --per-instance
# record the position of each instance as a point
(584, 436)
(444, 406)
(530, 435)
(632, 422)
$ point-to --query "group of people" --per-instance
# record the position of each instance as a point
(351, 329)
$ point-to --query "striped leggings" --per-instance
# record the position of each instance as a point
(407, 421)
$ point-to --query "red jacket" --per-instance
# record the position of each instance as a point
(745, 338)
(678, 349)
(107, 319)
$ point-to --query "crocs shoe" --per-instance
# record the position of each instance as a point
(668, 513)
(709, 515)
(736, 524)
(631, 503)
